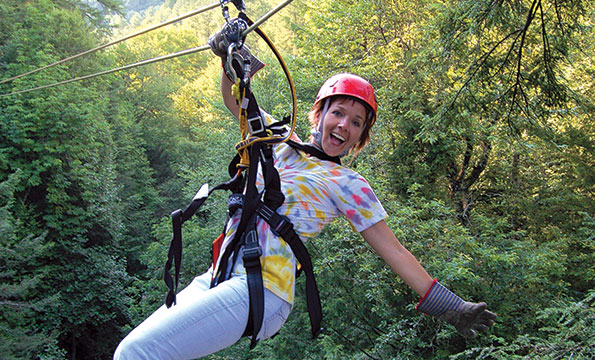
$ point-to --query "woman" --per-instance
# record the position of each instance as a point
(206, 320)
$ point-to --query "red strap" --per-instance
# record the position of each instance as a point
(217, 248)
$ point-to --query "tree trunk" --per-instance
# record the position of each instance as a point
(73, 351)
(461, 179)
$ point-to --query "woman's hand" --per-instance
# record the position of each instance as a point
(469, 318)
(465, 316)
(219, 46)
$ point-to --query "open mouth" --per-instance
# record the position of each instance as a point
(338, 138)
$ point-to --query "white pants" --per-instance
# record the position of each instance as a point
(202, 322)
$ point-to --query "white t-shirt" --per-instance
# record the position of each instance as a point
(316, 192)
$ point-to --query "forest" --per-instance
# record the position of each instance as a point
(482, 155)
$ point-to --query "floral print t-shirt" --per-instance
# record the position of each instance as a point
(316, 192)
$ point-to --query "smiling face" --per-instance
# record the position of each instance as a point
(343, 126)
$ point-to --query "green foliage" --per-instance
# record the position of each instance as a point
(482, 156)
(75, 168)
(565, 332)
(20, 335)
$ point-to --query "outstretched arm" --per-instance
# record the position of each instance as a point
(436, 300)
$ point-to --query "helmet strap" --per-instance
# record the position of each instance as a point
(318, 133)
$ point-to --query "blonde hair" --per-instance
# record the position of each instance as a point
(314, 119)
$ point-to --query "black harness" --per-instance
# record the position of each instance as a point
(245, 241)
(254, 204)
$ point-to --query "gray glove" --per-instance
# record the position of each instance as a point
(469, 318)
(465, 316)
(219, 46)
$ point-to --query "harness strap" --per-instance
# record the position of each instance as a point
(249, 204)
(273, 196)
(175, 249)
(252, 250)
(252, 253)
(313, 150)
(174, 254)
(282, 226)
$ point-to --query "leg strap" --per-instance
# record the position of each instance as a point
(252, 253)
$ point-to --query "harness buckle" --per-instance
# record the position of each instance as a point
(282, 225)
(252, 250)
(235, 202)
(256, 124)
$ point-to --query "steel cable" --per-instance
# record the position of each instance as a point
(125, 67)
(181, 17)
(261, 20)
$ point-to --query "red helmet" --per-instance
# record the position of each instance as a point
(350, 85)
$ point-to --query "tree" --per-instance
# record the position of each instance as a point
(482, 156)
(66, 221)
(21, 337)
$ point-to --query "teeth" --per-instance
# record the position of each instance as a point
(338, 136)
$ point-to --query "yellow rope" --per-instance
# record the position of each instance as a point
(243, 118)
(235, 90)
(242, 146)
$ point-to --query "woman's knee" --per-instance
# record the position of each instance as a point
(131, 347)
(276, 315)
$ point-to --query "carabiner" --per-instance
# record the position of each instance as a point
(233, 55)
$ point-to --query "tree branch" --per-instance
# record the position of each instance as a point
(352, 344)
(466, 160)
(557, 10)
(480, 165)
(518, 83)
(483, 60)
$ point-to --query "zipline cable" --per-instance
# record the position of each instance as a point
(259, 21)
(266, 16)
(125, 67)
(181, 17)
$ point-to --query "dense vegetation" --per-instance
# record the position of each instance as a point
(483, 157)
